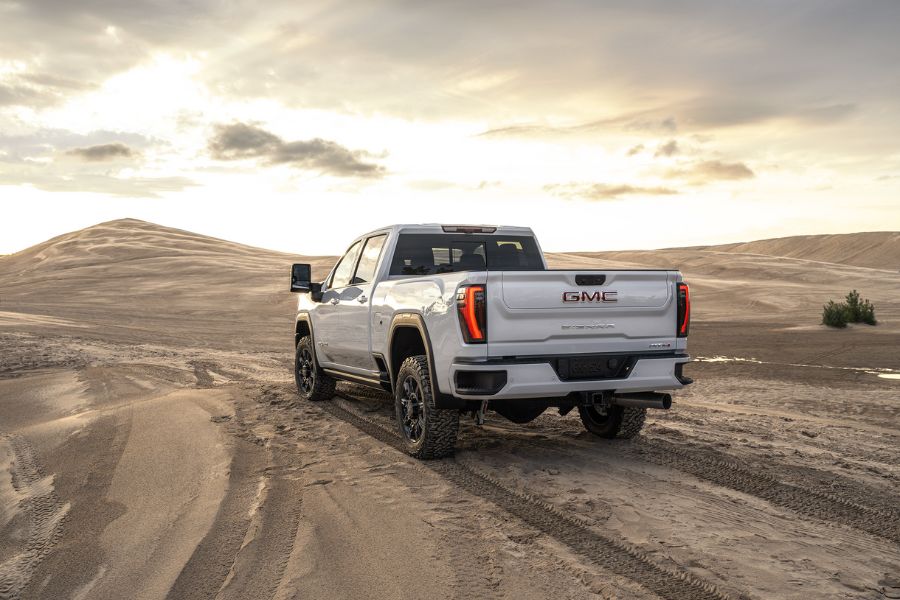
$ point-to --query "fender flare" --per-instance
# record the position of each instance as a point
(414, 320)
(304, 317)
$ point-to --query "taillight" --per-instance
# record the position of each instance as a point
(470, 306)
(684, 310)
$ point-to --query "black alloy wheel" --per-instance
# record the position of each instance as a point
(426, 430)
(313, 383)
(412, 411)
(306, 371)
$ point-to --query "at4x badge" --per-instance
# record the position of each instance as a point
(589, 296)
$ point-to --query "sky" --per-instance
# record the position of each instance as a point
(602, 125)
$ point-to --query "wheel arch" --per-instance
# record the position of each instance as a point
(408, 336)
(302, 328)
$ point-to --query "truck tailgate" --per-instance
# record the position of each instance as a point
(580, 312)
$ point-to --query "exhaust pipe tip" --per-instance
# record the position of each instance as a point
(666, 401)
(644, 400)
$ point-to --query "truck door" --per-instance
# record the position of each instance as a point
(352, 349)
(327, 316)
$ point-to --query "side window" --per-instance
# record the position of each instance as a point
(365, 272)
(341, 277)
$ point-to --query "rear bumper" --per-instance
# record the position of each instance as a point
(540, 380)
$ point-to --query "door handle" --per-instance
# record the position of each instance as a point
(362, 299)
(335, 300)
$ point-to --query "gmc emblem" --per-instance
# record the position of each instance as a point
(589, 296)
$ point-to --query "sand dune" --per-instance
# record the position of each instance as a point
(756, 287)
(127, 270)
(132, 275)
(131, 279)
(876, 250)
(152, 445)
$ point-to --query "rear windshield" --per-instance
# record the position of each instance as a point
(429, 254)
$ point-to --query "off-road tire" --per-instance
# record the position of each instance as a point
(620, 421)
(632, 422)
(322, 385)
(438, 426)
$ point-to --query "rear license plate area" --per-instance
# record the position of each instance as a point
(594, 367)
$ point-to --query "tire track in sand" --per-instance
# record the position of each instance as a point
(606, 552)
(717, 469)
(859, 512)
(44, 514)
(858, 507)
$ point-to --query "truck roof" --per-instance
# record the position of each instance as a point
(439, 228)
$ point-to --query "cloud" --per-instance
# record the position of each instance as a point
(103, 152)
(524, 130)
(431, 185)
(697, 115)
(706, 113)
(44, 143)
(16, 95)
(651, 121)
(437, 185)
(52, 180)
(670, 148)
(635, 150)
(64, 46)
(422, 62)
(604, 191)
(32, 159)
(469, 58)
(34, 89)
(326, 156)
(712, 170)
(823, 115)
(240, 140)
(237, 141)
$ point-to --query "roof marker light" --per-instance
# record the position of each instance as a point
(468, 229)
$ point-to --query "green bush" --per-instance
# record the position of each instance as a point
(853, 306)
(854, 310)
(834, 315)
(867, 313)
(860, 311)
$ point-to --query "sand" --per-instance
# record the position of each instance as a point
(152, 446)
(876, 250)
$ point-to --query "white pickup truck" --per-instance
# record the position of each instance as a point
(452, 319)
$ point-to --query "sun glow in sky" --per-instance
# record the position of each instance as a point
(602, 125)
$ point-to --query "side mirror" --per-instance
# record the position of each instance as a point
(301, 276)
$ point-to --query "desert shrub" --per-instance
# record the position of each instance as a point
(854, 310)
(866, 313)
(853, 303)
(859, 311)
(834, 315)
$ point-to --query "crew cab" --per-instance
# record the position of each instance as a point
(456, 319)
